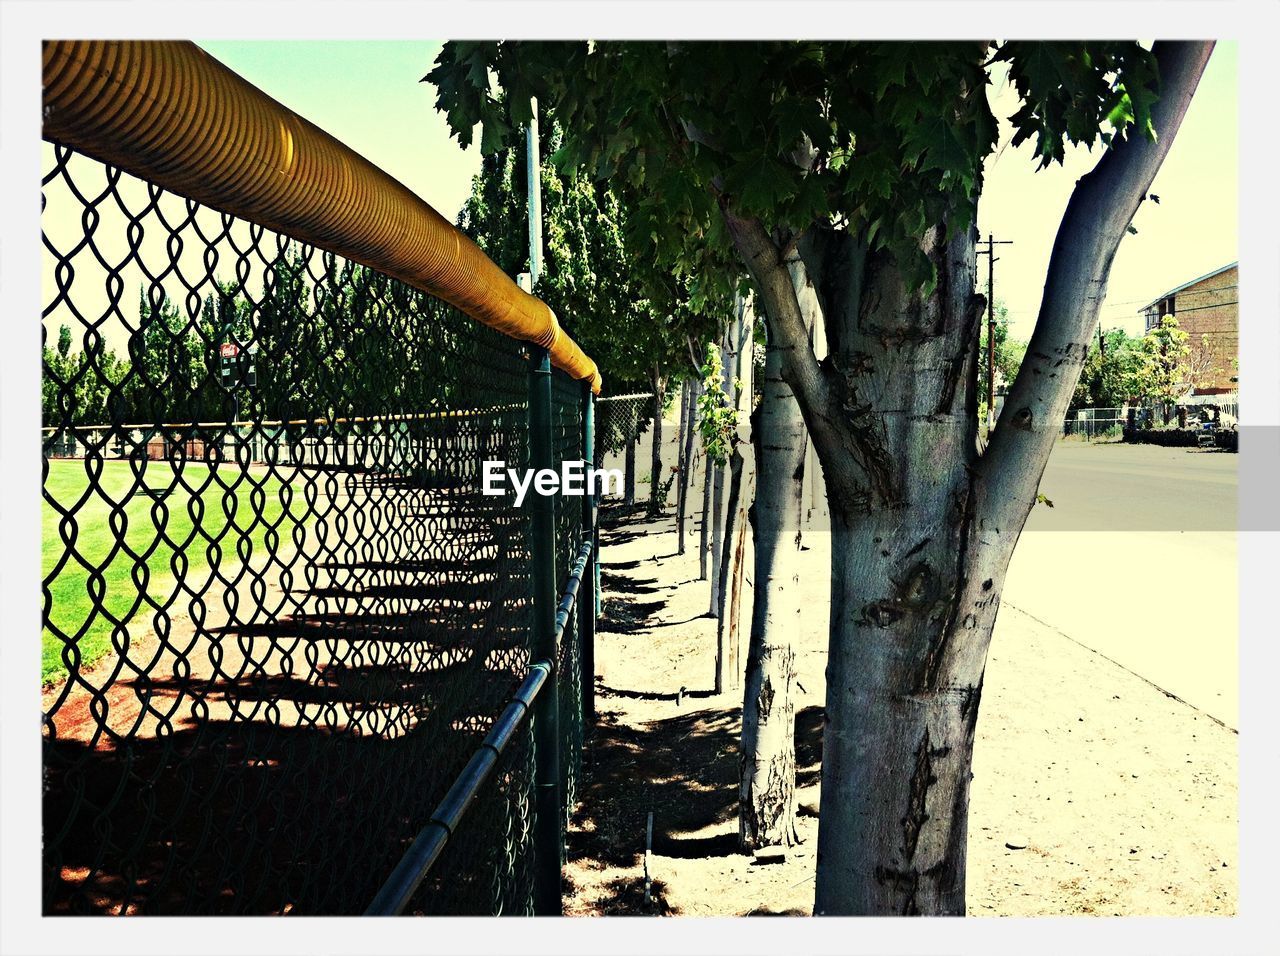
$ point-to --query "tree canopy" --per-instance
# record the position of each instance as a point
(845, 177)
(624, 310)
(883, 139)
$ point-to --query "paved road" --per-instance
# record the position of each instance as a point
(1137, 561)
(1117, 487)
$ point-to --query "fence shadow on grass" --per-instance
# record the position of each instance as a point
(273, 793)
(283, 765)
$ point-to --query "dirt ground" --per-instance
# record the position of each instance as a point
(1122, 798)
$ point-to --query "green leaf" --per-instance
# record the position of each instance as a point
(494, 136)
(1121, 115)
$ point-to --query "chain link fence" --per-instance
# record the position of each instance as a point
(566, 425)
(1092, 424)
(279, 614)
(621, 419)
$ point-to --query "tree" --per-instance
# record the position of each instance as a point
(767, 770)
(85, 388)
(286, 350)
(161, 361)
(1163, 373)
(56, 378)
(604, 287)
(726, 599)
(1008, 355)
(622, 310)
(1204, 367)
(860, 165)
(717, 426)
(99, 377)
(1108, 378)
(688, 400)
(225, 316)
(632, 318)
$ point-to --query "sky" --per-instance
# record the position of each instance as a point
(368, 95)
(1192, 231)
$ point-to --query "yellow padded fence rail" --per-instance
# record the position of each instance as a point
(168, 112)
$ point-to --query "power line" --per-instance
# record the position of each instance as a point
(1113, 305)
(1221, 288)
(990, 253)
(1200, 308)
(1208, 331)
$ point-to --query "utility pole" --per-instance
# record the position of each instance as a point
(533, 167)
(548, 793)
(989, 252)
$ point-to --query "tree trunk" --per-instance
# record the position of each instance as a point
(682, 466)
(717, 536)
(704, 532)
(899, 730)
(688, 408)
(734, 543)
(629, 464)
(767, 767)
(719, 479)
(655, 461)
(922, 526)
(737, 575)
(815, 489)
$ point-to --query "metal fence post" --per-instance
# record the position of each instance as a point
(595, 552)
(547, 846)
(587, 606)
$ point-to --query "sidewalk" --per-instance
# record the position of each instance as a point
(1124, 797)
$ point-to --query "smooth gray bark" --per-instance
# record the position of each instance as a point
(716, 545)
(923, 527)
(629, 466)
(704, 532)
(767, 766)
(655, 458)
(737, 370)
(718, 480)
(685, 438)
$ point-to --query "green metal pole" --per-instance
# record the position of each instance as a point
(587, 606)
(595, 552)
(547, 846)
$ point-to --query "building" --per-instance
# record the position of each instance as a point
(1207, 309)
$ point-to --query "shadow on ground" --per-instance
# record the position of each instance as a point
(281, 762)
(683, 767)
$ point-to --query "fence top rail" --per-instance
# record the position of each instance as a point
(257, 423)
(168, 112)
(623, 398)
(418, 860)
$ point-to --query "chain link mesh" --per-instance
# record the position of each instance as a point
(279, 615)
(619, 420)
(566, 436)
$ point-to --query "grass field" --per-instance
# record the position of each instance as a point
(99, 574)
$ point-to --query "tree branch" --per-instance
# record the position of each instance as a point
(852, 462)
(764, 261)
(1096, 219)
(693, 354)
